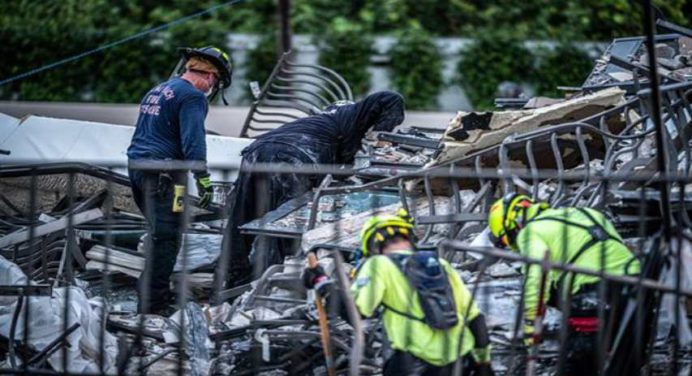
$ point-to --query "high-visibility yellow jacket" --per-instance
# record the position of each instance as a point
(553, 231)
(380, 282)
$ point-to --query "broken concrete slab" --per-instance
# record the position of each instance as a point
(192, 324)
(196, 251)
(469, 132)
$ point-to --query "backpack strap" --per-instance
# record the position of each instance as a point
(407, 315)
(432, 287)
(400, 261)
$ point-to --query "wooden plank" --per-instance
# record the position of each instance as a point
(97, 265)
(98, 253)
(31, 290)
(49, 228)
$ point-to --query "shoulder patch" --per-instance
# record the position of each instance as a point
(362, 281)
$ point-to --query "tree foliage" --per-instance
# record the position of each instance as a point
(262, 59)
(565, 65)
(491, 59)
(416, 67)
(346, 48)
(35, 33)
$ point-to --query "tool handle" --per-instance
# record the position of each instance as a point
(324, 324)
(312, 260)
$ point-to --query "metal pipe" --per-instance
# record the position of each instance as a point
(52, 347)
(285, 18)
(656, 115)
(357, 348)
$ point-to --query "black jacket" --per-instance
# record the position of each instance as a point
(334, 136)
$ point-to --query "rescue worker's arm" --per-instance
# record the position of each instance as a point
(367, 291)
(475, 321)
(533, 246)
(192, 113)
(369, 286)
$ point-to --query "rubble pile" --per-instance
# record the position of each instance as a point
(616, 65)
(73, 252)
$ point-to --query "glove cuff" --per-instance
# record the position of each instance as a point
(322, 286)
(204, 182)
(201, 175)
(528, 327)
(319, 281)
(481, 354)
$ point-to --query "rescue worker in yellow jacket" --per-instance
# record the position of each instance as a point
(429, 316)
(581, 237)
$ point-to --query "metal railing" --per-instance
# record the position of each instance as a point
(293, 91)
(274, 315)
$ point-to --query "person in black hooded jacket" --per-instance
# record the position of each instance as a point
(332, 137)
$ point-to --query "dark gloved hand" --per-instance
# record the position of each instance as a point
(316, 278)
(312, 276)
(481, 358)
(484, 369)
(204, 189)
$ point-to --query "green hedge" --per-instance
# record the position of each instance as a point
(416, 67)
(564, 65)
(35, 33)
(261, 60)
(491, 59)
(346, 48)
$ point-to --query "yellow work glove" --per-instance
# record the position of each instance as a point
(481, 354)
(528, 333)
(204, 190)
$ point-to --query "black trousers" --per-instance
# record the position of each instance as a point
(402, 363)
(583, 348)
(253, 196)
(153, 194)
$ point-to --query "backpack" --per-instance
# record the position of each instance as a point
(428, 278)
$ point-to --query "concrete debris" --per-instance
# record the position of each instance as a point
(472, 131)
(193, 323)
(47, 320)
(672, 55)
(501, 270)
(197, 252)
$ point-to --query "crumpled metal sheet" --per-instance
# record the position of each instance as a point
(192, 322)
(47, 320)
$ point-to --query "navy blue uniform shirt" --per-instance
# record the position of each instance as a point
(171, 123)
